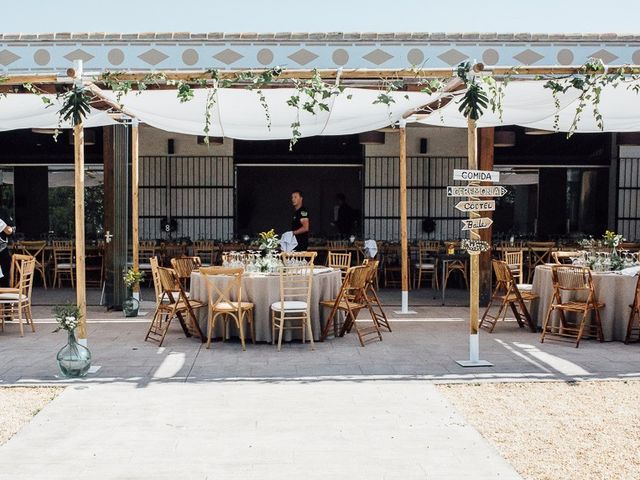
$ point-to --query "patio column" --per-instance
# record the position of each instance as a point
(78, 153)
(403, 217)
(135, 235)
(81, 291)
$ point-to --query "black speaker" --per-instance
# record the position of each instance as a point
(171, 146)
(423, 145)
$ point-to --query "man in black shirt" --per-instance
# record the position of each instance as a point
(300, 222)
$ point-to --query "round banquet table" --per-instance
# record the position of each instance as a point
(615, 290)
(263, 289)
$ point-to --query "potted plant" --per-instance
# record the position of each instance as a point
(131, 305)
(73, 359)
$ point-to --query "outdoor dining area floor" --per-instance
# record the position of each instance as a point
(424, 346)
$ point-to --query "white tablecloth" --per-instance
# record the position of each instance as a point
(263, 290)
(616, 291)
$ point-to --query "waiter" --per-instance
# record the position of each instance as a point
(300, 222)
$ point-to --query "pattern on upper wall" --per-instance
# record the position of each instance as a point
(189, 51)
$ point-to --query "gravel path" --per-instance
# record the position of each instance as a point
(557, 431)
(18, 405)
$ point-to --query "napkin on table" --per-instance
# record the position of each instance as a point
(370, 248)
(288, 242)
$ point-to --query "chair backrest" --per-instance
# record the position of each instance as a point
(146, 250)
(157, 285)
(391, 254)
(170, 284)
(230, 285)
(295, 283)
(572, 278)
(289, 258)
(62, 251)
(432, 246)
(359, 277)
(339, 260)
(514, 260)
(501, 269)
(206, 250)
(22, 270)
(563, 257)
(337, 245)
(185, 265)
(35, 248)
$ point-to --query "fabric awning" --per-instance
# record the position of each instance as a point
(27, 110)
(238, 113)
(527, 103)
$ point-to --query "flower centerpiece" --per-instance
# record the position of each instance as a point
(268, 243)
(131, 278)
(612, 240)
(74, 360)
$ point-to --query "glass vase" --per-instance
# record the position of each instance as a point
(73, 359)
(131, 305)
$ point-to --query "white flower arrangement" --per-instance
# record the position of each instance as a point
(67, 316)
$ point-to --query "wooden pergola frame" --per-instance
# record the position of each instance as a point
(357, 78)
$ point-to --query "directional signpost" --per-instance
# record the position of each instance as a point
(476, 206)
(473, 205)
(479, 223)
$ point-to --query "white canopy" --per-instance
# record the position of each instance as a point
(238, 114)
(529, 104)
(26, 110)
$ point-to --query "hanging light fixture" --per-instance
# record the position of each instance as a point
(537, 131)
(373, 137)
(504, 138)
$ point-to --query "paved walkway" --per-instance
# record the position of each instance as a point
(353, 430)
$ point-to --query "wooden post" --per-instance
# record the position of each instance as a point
(135, 240)
(81, 289)
(485, 162)
(474, 294)
(404, 246)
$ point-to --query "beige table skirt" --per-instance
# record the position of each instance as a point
(262, 291)
(614, 290)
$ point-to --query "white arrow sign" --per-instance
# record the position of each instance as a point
(475, 191)
(477, 206)
(476, 223)
(476, 175)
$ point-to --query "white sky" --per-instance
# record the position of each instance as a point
(539, 16)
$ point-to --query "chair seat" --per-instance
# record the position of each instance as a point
(425, 266)
(232, 306)
(66, 265)
(576, 306)
(12, 297)
(291, 306)
(343, 305)
(525, 287)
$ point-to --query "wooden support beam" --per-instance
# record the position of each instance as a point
(473, 235)
(81, 289)
(135, 235)
(485, 162)
(404, 245)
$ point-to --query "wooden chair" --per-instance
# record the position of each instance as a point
(289, 258)
(427, 264)
(207, 251)
(633, 325)
(515, 262)
(539, 253)
(573, 281)
(294, 304)
(94, 266)
(338, 245)
(460, 266)
(391, 265)
(341, 261)
(173, 303)
(222, 305)
(16, 300)
(372, 294)
(155, 277)
(35, 249)
(63, 262)
(183, 267)
(563, 257)
(351, 299)
(509, 295)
